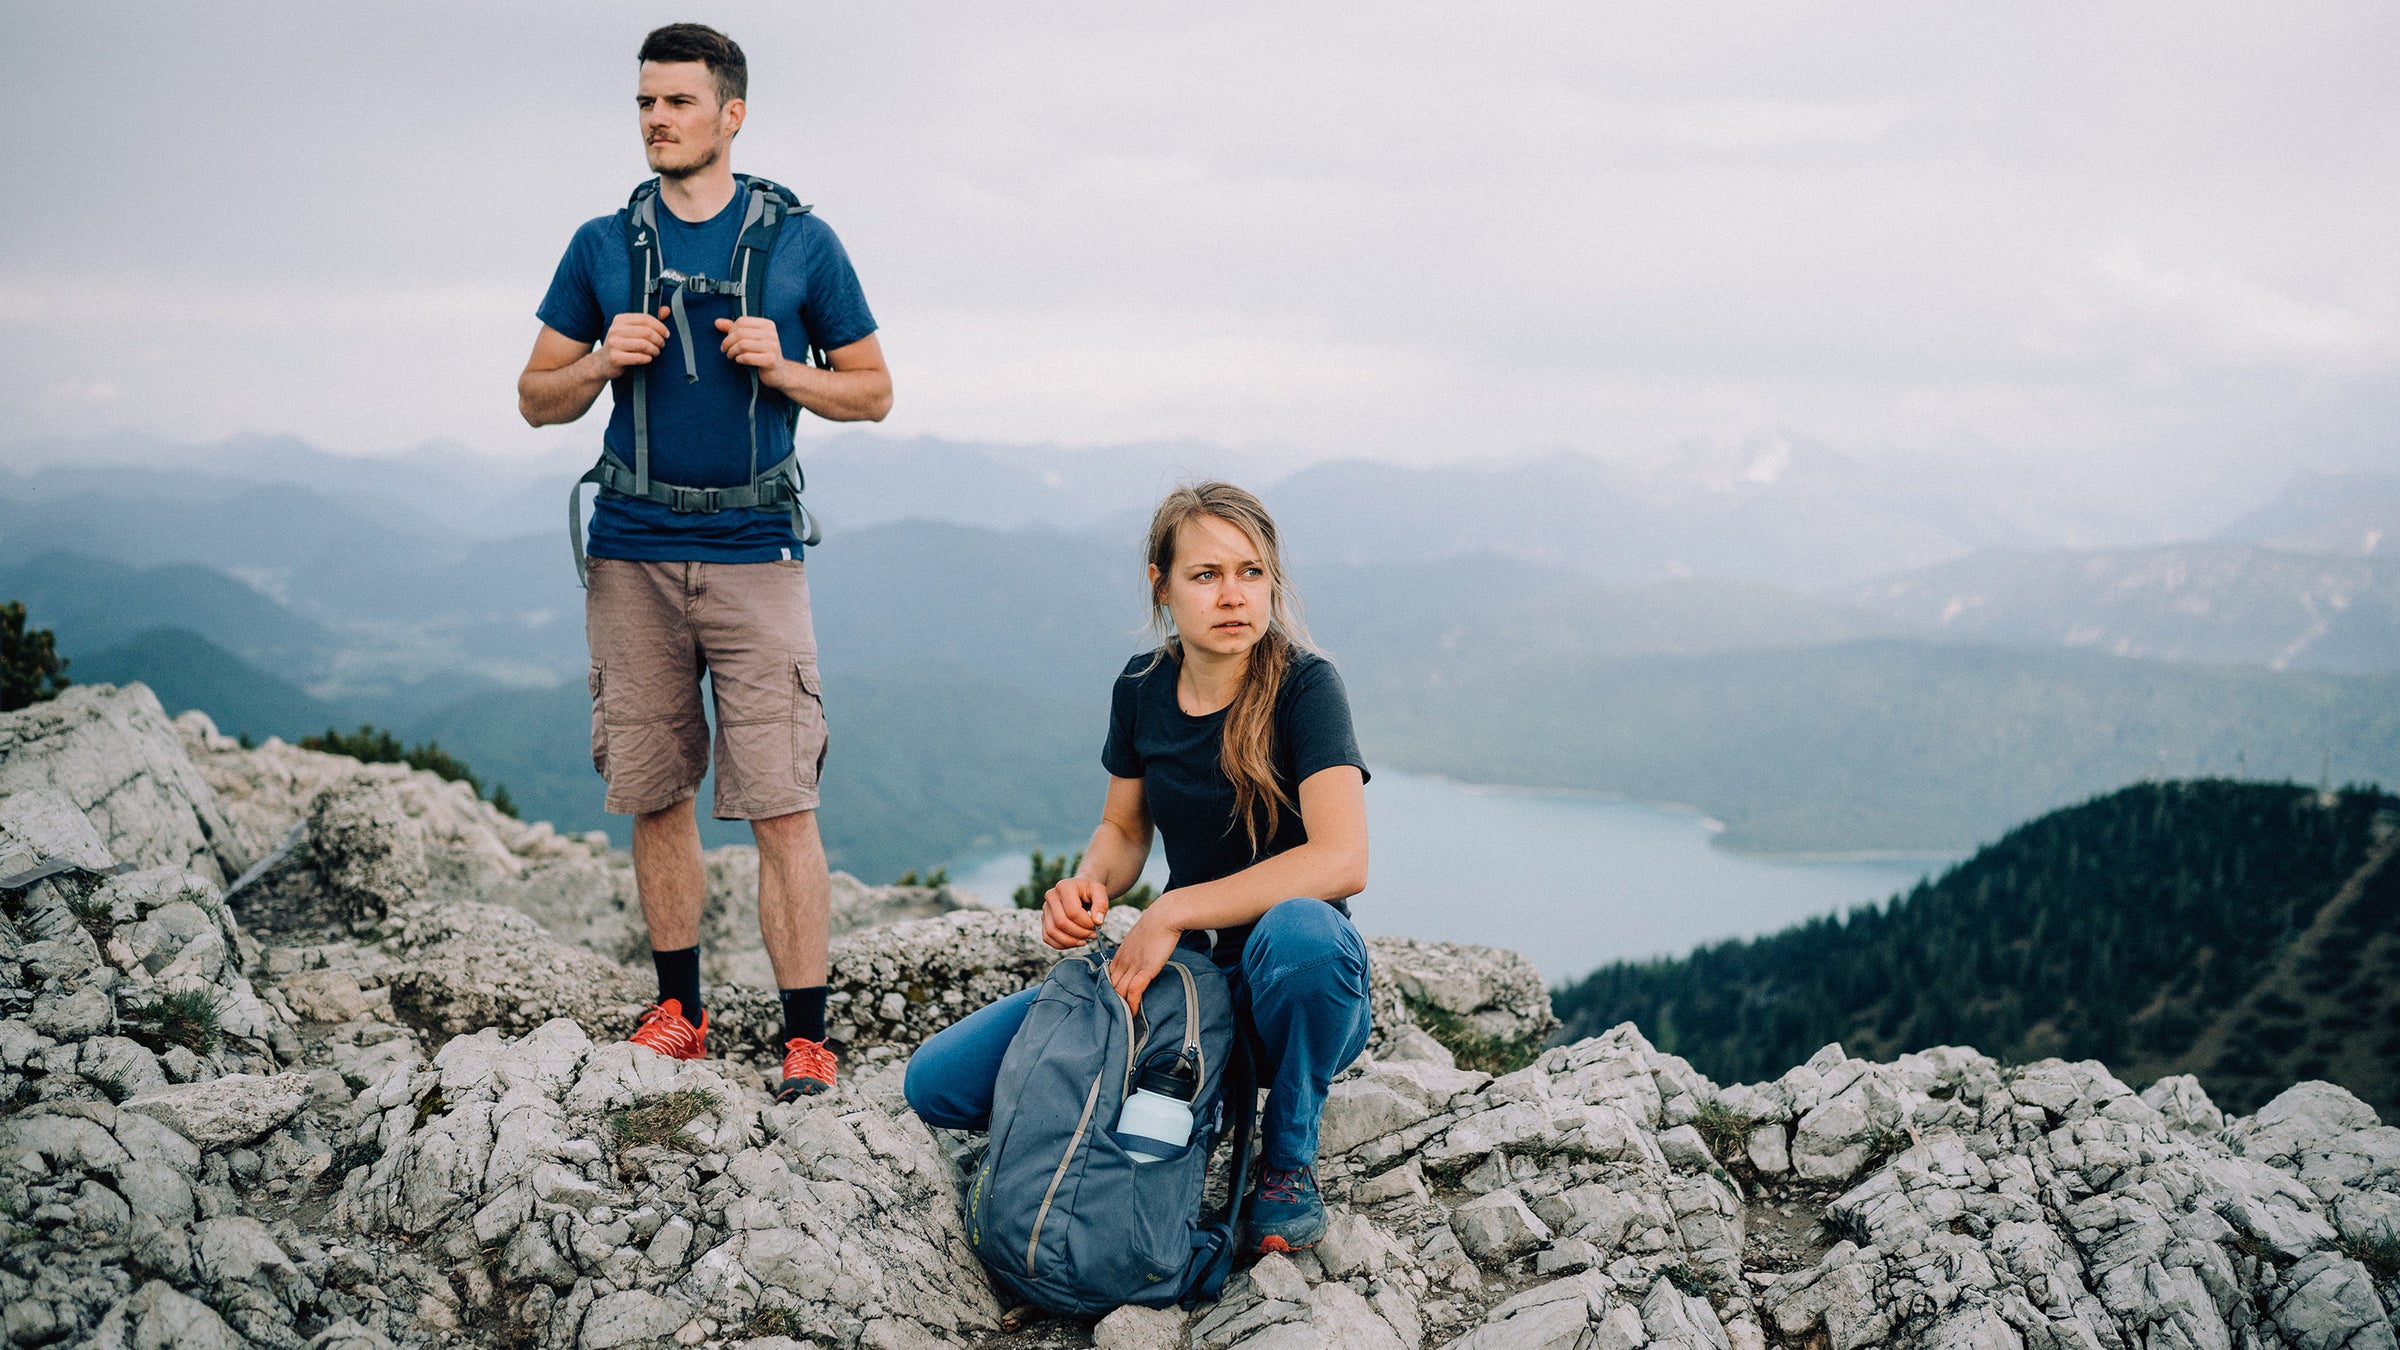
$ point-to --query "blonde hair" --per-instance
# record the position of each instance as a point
(1248, 755)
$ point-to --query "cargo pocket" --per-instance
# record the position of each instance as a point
(597, 680)
(809, 734)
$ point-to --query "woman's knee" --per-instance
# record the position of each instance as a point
(948, 1081)
(1306, 937)
(930, 1092)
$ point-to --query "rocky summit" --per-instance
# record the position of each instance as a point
(301, 1052)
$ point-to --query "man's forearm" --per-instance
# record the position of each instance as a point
(835, 395)
(548, 397)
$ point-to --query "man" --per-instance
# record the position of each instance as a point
(679, 581)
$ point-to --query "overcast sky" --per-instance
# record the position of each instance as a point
(2153, 240)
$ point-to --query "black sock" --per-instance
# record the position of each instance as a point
(679, 979)
(804, 1013)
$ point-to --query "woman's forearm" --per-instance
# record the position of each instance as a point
(1115, 856)
(1319, 869)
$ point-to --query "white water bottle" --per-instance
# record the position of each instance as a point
(1160, 1107)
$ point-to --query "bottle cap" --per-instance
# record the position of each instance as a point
(1170, 1075)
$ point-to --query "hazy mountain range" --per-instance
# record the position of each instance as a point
(1824, 657)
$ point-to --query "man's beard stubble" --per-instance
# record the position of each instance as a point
(679, 172)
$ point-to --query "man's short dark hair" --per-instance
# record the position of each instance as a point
(698, 42)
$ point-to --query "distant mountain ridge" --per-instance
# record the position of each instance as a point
(1877, 744)
(1511, 624)
(2347, 513)
(2215, 602)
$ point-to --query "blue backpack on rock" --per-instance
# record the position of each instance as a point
(1061, 1212)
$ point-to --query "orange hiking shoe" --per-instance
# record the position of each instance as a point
(665, 1029)
(807, 1069)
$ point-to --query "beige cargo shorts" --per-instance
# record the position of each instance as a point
(654, 628)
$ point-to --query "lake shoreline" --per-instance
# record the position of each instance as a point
(1577, 880)
(1725, 837)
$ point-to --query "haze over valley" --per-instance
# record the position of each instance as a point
(1824, 659)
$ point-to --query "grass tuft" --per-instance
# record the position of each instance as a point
(1725, 1131)
(2379, 1253)
(773, 1321)
(660, 1119)
(1690, 1282)
(349, 1157)
(185, 1017)
(93, 913)
(1473, 1049)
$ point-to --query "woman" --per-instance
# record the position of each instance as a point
(1234, 739)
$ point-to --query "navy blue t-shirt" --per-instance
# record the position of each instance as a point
(1178, 758)
(700, 432)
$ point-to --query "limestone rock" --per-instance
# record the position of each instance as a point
(325, 995)
(159, 1318)
(2184, 1105)
(113, 754)
(368, 850)
(44, 824)
(1131, 1328)
(234, 1109)
(1494, 993)
(631, 1317)
(458, 968)
(1768, 1150)
(1498, 1227)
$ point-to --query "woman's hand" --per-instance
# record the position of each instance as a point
(1142, 954)
(1072, 911)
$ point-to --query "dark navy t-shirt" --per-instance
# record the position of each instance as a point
(1177, 757)
(700, 432)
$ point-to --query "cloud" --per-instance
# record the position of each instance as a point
(1406, 230)
(2239, 320)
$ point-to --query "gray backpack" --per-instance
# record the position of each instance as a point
(1061, 1216)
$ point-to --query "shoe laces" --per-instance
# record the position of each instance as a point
(1286, 1185)
(666, 1030)
(804, 1058)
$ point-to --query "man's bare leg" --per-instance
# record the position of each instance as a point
(794, 897)
(667, 871)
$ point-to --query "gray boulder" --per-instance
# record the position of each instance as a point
(235, 1109)
(115, 756)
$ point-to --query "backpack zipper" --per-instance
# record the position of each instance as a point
(1091, 1099)
(1191, 1019)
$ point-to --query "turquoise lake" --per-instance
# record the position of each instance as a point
(1572, 881)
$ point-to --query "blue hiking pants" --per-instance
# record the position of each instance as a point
(1303, 976)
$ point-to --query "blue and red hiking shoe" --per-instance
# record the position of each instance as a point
(1286, 1213)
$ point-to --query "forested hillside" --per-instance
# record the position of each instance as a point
(2247, 932)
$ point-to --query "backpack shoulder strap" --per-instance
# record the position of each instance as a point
(771, 204)
(642, 252)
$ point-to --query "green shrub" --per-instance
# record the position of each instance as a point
(373, 745)
(1048, 872)
(935, 876)
(31, 670)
